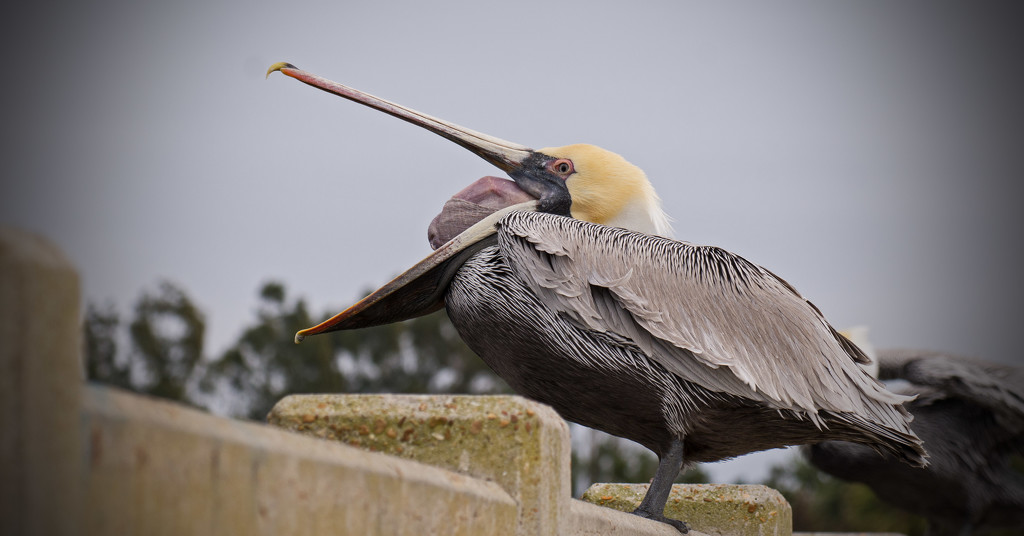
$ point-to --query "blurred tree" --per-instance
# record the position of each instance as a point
(167, 343)
(265, 364)
(103, 363)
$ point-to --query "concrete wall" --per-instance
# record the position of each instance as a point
(87, 459)
(40, 380)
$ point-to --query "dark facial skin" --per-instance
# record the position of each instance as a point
(536, 177)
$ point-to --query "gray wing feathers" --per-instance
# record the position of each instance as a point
(701, 312)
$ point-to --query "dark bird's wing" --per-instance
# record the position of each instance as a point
(998, 388)
(701, 312)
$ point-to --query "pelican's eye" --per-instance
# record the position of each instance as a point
(561, 167)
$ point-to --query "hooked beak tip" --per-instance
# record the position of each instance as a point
(278, 66)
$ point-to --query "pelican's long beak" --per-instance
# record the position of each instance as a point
(420, 290)
(503, 154)
(524, 165)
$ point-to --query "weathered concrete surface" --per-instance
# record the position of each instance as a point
(592, 520)
(716, 509)
(40, 379)
(521, 445)
(153, 467)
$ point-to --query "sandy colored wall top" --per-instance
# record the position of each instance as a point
(40, 380)
(518, 443)
(155, 467)
(716, 509)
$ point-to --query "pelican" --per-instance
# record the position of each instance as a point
(575, 298)
(970, 414)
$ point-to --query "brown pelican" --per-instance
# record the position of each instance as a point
(691, 351)
(970, 415)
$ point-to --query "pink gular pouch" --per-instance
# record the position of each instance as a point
(472, 204)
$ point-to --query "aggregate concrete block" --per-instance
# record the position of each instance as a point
(154, 467)
(40, 380)
(592, 520)
(715, 509)
(521, 445)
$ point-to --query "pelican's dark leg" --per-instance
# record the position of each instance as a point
(653, 505)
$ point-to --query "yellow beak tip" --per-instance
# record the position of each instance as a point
(299, 337)
(278, 66)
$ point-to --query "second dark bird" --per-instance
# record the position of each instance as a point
(970, 414)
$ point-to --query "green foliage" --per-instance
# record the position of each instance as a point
(167, 341)
(100, 341)
(265, 364)
(166, 344)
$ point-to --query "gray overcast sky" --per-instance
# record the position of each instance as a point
(867, 152)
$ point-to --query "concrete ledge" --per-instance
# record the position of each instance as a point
(592, 520)
(40, 379)
(153, 467)
(715, 509)
(521, 445)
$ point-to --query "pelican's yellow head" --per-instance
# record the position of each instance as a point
(607, 189)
